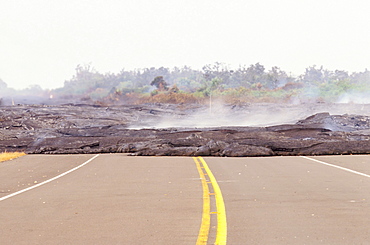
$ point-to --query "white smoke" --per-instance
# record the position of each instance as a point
(355, 97)
(252, 115)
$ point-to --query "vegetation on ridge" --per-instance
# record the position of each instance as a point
(186, 85)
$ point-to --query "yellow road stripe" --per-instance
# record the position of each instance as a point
(206, 219)
(221, 235)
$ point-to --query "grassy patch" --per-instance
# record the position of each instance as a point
(5, 156)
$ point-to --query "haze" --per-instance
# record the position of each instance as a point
(42, 41)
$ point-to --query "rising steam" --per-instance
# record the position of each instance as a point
(258, 115)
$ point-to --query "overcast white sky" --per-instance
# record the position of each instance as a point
(42, 41)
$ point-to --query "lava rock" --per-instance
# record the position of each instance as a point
(83, 129)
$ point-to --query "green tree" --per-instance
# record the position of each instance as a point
(159, 83)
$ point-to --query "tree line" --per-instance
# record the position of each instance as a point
(253, 83)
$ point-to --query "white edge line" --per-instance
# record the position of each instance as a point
(335, 166)
(49, 180)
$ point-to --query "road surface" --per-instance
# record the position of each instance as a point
(117, 199)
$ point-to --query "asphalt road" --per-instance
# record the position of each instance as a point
(117, 199)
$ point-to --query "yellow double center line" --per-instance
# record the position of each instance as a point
(221, 235)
